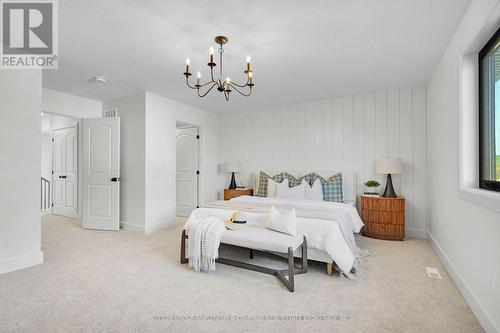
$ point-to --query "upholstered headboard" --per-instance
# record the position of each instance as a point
(348, 181)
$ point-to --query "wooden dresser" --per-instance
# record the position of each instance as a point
(384, 218)
(229, 194)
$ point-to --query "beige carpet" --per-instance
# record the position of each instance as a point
(124, 282)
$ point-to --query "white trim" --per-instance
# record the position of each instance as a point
(472, 300)
(23, 261)
(484, 198)
(148, 229)
(468, 72)
(416, 233)
(158, 226)
(132, 227)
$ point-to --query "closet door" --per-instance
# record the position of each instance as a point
(187, 152)
(101, 174)
(64, 165)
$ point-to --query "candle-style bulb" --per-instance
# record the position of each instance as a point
(248, 64)
(198, 77)
(228, 80)
(250, 74)
(188, 61)
(212, 51)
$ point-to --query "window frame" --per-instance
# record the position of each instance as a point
(490, 185)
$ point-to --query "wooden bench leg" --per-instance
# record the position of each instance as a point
(183, 259)
(329, 268)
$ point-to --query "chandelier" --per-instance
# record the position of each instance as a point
(224, 86)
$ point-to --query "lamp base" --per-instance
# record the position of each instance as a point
(232, 185)
(389, 189)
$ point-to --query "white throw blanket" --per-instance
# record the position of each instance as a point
(203, 242)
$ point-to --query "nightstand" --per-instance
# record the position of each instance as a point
(384, 218)
(229, 194)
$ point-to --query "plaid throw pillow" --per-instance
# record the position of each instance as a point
(311, 178)
(292, 181)
(263, 180)
(332, 188)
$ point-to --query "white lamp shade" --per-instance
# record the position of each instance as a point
(232, 166)
(393, 166)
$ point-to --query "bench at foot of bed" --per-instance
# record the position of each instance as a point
(286, 276)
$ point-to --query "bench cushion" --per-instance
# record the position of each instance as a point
(260, 238)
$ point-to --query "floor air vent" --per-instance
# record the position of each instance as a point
(433, 273)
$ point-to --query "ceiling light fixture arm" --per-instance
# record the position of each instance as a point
(224, 86)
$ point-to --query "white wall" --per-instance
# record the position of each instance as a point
(70, 105)
(46, 156)
(148, 158)
(161, 117)
(465, 235)
(132, 112)
(20, 107)
(345, 133)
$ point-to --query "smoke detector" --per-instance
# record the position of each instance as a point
(100, 79)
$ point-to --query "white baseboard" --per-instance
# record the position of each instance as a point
(132, 227)
(140, 228)
(158, 226)
(416, 233)
(19, 262)
(477, 308)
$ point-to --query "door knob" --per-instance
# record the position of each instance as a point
(115, 179)
(63, 177)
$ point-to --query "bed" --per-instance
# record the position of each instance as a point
(328, 226)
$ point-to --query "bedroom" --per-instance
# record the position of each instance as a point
(370, 91)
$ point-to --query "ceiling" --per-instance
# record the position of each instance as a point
(301, 50)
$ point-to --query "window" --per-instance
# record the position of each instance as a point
(489, 114)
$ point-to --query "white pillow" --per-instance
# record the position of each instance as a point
(296, 192)
(271, 187)
(314, 192)
(285, 223)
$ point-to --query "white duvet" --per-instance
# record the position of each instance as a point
(328, 226)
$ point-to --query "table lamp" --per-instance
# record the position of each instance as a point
(232, 166)
(389, 166)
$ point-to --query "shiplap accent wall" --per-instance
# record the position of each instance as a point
(344, 133)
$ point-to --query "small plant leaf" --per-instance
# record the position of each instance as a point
(372, 183)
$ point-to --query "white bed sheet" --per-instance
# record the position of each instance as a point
(334, 207)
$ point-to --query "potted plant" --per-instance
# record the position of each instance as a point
(372, 187)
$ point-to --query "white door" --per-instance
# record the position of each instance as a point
(186, 146)
(101, 174)
(64, 167)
